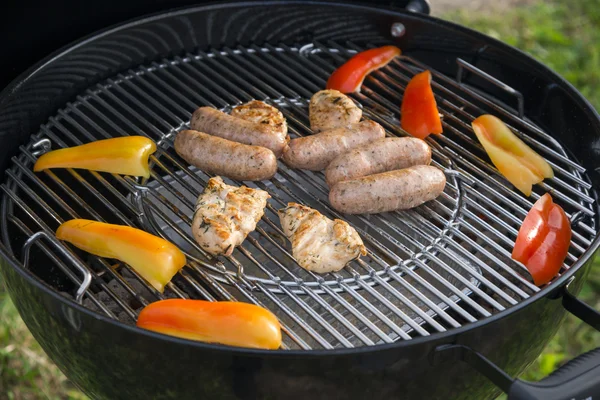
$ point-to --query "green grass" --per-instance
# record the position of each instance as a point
(25, 371)
(565, 37)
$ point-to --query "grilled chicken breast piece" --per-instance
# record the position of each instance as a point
(330, 109)
(225, 215)
(318, 243)
(261, 113)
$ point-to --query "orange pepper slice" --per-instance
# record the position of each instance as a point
(231, 323)
(126, 155)
(349, 77)
(419, 114)
(154, 258)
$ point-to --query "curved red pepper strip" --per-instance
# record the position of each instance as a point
(349, 77)
(543, 240)
(419, 114)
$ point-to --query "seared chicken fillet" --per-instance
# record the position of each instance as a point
(261, 113)
(225, 214)
(318, 243)
(330, 109)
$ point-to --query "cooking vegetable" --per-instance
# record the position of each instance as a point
(126, 155)
(349, 77)
(543, 240)
(231, 323)
(522, 166)
(419, 114)
(155, 259)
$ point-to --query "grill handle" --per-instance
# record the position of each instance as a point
(87, 276)
(579, 379)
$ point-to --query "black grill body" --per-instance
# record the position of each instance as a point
(107, 359)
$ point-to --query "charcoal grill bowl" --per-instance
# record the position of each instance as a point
(107, 359)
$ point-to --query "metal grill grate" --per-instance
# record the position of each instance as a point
(430, 269)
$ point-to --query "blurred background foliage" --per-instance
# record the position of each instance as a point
(563, 35)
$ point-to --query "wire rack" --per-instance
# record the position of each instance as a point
(434, 268)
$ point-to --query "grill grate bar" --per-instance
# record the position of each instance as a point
(452, 253)
(386, 104)
(464, 175)
(508, 114)
(19, 202)
(470, 117)
(364, 234)
(480, 277)
(511, 203)
(63, 267)
(249, 256)
(36, 198)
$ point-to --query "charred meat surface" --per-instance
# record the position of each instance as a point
(225, 215)
(261, 113)
(319, 244)
(330, 109)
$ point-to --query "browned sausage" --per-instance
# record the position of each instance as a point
(217, 123)
(382, 155)
(388, 191)
(315, 152)
(223, 157)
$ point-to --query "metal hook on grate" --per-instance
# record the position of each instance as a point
(462, 64)
(41, 146)
(87, 276)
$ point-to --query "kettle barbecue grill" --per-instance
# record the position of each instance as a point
(436, 310)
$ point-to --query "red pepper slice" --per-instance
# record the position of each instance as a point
(226, 322)
(349, 77)
(419, 114)
(543, 240)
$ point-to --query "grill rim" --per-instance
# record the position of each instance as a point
(551, 291)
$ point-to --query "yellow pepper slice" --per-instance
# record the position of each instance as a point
(516, 161)
(126, 155)
(154, 258)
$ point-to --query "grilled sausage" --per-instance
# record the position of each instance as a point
(379, 156)
(330, 109)
(388, 191)
(223, 157)
(217, 123)
(315, 152)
